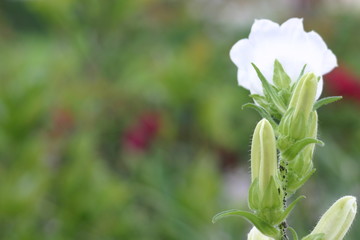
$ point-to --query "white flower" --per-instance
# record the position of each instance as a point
(289, 44)
(255, 234)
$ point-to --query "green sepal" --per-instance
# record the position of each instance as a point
(270, 91)
(263, 113)
(288, 210)
(280, 77)
(299, 77)
(317, 236)
(294, 234)
(294, 150)
(284, 126)
(253, 198)
(301, 73)
(292, 188)
(260, 224)
(285, 96)
(268, 106)
(273, 197)
(261, 100)
(324, 101)
(271, 206)
(297, 126)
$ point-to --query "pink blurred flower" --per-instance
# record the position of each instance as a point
(139, 136)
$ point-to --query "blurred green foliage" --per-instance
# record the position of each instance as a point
(122, 120)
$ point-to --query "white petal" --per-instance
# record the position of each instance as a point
(289, 44)
(329, 62)
(262, 29)
(255, 234)
(255, 84)
(319, 88)
(240, 53)
(316, 41)
(243, 79)
(292, 26)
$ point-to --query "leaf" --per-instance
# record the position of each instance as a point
(263, 113)
(260, 224)
(325, 101)
(259, 99)
(280, 77)
(290, 208)
(294, 150)
(294, 234)
(268, 89)
(318, 236)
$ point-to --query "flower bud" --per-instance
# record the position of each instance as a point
(295, 121)
(304, 94)
(337, 219)
(301, 168)
(265, 193)
(255, 234)
(263, 155)
(312, 131)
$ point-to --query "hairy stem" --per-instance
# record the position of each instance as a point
(283, 226)
(283, 174)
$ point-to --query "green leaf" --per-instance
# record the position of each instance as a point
(280, 77)
(294, 150)
(289, 209)
(260, 224)
(294, 234)
(318, 236)
(270, 91)
(263, 113)
(325, 101)
(260, 100)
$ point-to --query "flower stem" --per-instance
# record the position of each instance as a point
(283, 167)
(283, 226)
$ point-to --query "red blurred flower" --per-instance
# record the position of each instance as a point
(343, 82)
(139, 136)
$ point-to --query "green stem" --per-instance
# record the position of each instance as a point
(283, 167)
(283, 226)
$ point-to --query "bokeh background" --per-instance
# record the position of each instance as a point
(122, 119)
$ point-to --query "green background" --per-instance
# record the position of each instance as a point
(123, 120)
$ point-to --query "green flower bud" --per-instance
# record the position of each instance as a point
(255, 234)
(304, 94)
(337, 219)
(265, 193)
(301, 168)
(263, 155)
(312, 133)
(295, 120)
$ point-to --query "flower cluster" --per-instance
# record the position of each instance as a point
(282, 66)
